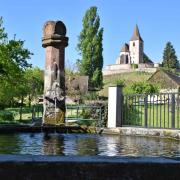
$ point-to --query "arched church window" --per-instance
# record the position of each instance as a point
(133, 43)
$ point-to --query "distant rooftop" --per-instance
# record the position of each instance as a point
(125, 48)
(136, 35)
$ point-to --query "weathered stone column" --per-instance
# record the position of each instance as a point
(54, 41)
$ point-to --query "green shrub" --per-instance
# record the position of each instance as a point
(86, 113)
(119, 82)
(89, 117)
(86, 122)
(144, 87)
(6, 116)
(134, 66)
(91, 95)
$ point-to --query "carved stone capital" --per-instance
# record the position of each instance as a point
(54, 34)
(55, 40)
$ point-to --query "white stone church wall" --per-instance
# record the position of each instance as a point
(136, 52)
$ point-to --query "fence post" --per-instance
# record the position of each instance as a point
(100, 122)
(146, 111)
(173, 110)
(115, 98)
(77, 115)
(33, 115)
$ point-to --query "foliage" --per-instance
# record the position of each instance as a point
(33, 82)
(119, 82)
(134, 66)
(3, 37)
(90, 116)
(126, 79)
(91, 95)
(86, 113)
(13, 63)
(90, 48)
(169, 57)
(132, 115)
(6, 116)
(133, 83)
(144, 87)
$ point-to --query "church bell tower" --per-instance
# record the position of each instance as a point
(136, 47)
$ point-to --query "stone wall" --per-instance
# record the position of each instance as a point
(145, 65)
(28, 167)
(118, 66)
(150, 132)
(113, 69)
(147, 69)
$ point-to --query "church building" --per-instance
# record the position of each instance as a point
(132, 53)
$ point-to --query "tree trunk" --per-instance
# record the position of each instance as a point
(20, 113)
(29, 98)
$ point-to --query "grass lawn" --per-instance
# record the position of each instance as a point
(26, 116)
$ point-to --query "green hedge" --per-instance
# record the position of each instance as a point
(134, 66)
(6, 116)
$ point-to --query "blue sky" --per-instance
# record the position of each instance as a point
(158, 21)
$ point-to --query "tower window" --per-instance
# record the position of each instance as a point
(133, 43)
(126, 59)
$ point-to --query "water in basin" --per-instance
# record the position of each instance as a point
(87, 145)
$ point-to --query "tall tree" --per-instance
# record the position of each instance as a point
(90, 48)
(3, 37)
(169, 57)
(13, 63)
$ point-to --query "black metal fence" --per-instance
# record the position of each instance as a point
(37, 111)
(90, 115)
(152, 110)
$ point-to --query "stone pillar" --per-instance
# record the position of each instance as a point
(54, 41)
(115, 102)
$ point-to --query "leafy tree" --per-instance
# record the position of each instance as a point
(13, 55)
(90, 48)
(13, 63)
(3, 37)
(169, 57)
(34, 83)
